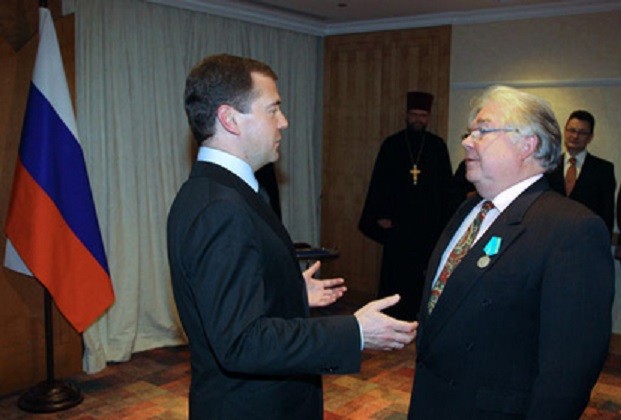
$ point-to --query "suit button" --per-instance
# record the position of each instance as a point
(486, 302)
(451, 382)
(470, 346)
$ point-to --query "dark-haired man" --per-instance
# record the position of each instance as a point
(582, 176)
(244, 304)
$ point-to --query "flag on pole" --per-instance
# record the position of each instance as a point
(52, 229)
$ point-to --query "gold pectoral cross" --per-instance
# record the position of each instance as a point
(415, 173)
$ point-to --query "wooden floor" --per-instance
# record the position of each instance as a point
(154, 385)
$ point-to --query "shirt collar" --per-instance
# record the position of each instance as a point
(579, 158)
(229, 162)
(506, 197)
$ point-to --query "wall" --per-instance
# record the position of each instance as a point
(573, 61)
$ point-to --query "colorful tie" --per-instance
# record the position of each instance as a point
(570, 176)
(459, 251)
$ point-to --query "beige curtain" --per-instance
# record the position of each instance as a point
(131, 62)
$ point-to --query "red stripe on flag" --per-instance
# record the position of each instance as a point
(80, 287)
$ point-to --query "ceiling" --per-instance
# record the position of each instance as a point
(326, 17)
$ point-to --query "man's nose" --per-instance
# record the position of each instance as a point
(283, 123)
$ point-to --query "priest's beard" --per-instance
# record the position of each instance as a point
(415, 129)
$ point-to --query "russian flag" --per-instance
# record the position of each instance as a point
(52, 229)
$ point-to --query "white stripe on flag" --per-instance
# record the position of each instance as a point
(13, 261)
(46, 70)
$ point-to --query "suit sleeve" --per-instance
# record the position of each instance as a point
(241, 311)
(575, 320)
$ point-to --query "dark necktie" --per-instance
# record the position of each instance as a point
(459, 251)
(264, 195)
(570, 176)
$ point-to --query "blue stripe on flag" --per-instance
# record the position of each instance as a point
(54, 158)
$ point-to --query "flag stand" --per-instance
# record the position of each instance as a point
(50, 395)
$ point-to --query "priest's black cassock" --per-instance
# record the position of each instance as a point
(418, 210)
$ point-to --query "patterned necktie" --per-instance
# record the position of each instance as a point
(570, 176)
(459, 251)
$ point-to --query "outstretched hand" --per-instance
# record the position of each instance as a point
(380, 331)
(322, 292)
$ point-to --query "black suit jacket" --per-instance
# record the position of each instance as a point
(255, 353)
(525, 336)
(595, 186)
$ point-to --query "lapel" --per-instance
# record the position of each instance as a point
(508, 226)
(225, 177)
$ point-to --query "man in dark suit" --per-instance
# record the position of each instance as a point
(582, 176)
(516, 314)
(242, 299)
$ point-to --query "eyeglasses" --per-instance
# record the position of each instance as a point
(577, 132)
(480, 132)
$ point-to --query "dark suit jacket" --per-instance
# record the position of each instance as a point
(595, 186)
(525, 336)
(255, 353)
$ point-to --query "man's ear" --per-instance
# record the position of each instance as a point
(529, 146)
(227, 116)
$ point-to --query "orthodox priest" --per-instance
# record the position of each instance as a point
(407, 204)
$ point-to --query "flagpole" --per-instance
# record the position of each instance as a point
(50, 395)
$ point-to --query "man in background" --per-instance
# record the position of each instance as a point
(244, 304)
(407, 204)
(582, 176)
(516, 313)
